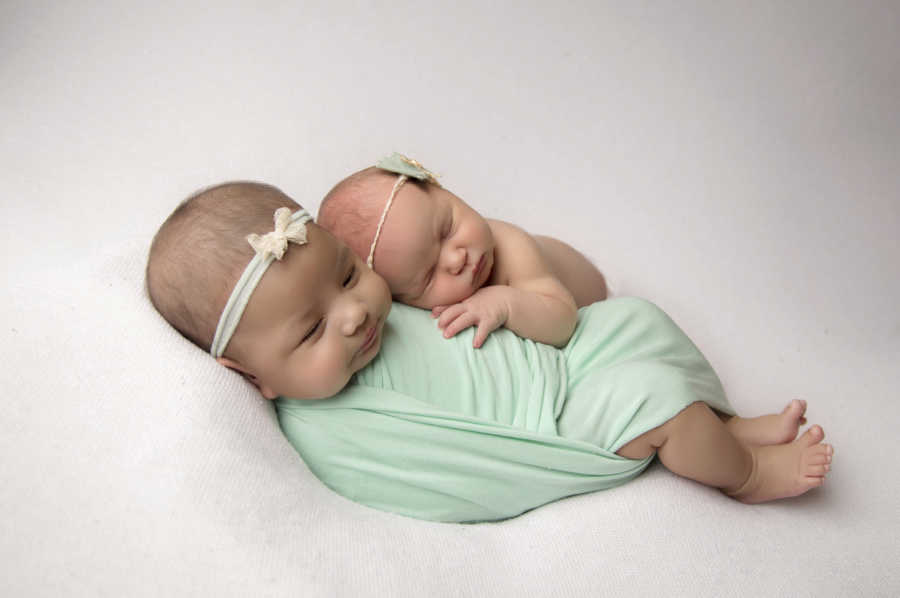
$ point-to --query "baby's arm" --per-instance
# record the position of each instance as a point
(523, 295)
(573, 270)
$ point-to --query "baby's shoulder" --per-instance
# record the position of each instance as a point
(502, 227)
(516, 251)
(511, 239)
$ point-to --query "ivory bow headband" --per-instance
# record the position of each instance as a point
(269, 247)
(405, 167)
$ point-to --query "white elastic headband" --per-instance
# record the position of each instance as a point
(269, 247)
(405, 167)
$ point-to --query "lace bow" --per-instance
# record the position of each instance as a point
(275, 242)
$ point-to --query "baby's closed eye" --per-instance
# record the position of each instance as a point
(350, 275)
(312, 331)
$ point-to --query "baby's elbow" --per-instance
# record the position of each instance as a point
(566, 328)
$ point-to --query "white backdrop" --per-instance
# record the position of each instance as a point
(736, 163)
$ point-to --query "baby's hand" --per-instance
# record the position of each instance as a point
(487, 308)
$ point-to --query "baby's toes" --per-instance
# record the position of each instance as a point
(795, 409)
(819, 454)
(817, 458)
(812, 436)
(816, 461)
(817, 470)
(814, 481)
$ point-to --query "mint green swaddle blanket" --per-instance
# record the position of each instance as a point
(435, 429)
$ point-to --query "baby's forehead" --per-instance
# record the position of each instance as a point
(405, 254)
(306, 268)
(417, 221)
(322, 245)
(320, 252)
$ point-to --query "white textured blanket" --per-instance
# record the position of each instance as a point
(738, 166)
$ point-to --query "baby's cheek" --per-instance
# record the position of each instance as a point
(333, 380)
(455, 291)
(422, 303)
(317, 377)
(394, 287)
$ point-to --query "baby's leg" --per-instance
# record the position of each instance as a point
(696, 444)
(573, 270)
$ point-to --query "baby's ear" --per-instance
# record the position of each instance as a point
(231, 364)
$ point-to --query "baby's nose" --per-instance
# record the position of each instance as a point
(353, 317)
(456, 260)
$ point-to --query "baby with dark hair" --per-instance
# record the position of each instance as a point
(200, 251)
(415, 424)
(315, 317)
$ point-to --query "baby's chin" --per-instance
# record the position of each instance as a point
(372, 351)
(453, 300)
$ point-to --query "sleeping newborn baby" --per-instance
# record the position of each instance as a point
(391, 415)
(437, 253)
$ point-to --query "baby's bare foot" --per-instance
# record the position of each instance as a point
(781, 471)
(776, 428)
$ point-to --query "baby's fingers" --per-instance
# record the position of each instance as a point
(450, 313)
(481, 334)
(436, 311)
(461, 323)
